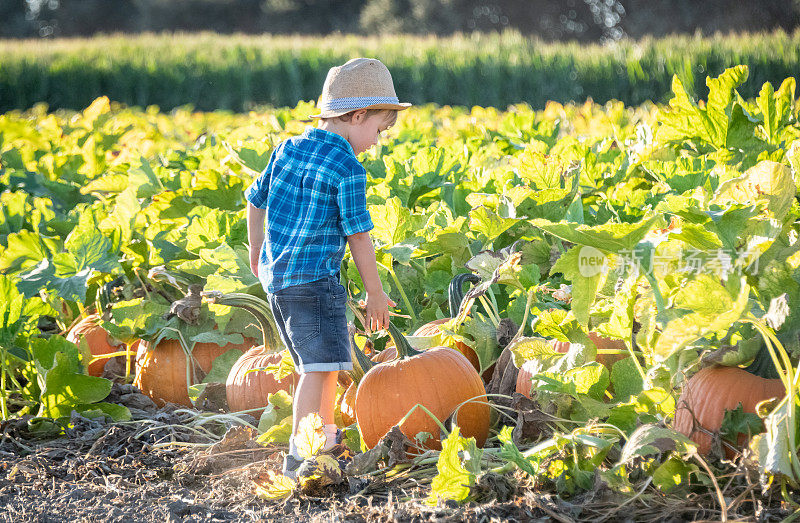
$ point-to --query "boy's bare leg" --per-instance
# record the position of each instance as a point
(316, 392)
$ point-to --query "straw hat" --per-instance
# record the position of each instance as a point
(361, 83)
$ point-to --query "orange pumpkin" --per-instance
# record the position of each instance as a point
(250, 390)
(524, 377)
(361, 364)
(432, 329)
(455, 296)
(347, 406)
(161, 370)
(98, 340)
(440, 379)
(525, 374)
(602, 343)
(712, 390)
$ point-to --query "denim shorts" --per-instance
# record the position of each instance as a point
(312, 323)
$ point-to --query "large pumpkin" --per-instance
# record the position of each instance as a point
(440, 379)
(97, 339)
(161, 371)
(712, 390)
(602, 343)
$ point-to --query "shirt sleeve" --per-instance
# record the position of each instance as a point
(258, 191)
(352, 201)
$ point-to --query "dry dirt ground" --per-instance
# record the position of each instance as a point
(102, 471)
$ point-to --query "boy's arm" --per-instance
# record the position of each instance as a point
(255, 234)
(377, 302)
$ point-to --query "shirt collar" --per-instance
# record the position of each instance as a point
(321, 135)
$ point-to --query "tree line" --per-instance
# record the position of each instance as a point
(550, 20)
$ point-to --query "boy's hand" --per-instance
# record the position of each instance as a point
(254, 263)
(377, 310)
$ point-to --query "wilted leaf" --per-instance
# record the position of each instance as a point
(310, 437)
(274, 486)
(652, 439)
(455, 477)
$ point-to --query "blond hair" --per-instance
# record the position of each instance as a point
(390, 116)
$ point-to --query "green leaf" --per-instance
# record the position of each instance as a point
(135, 318)
(278, 433)
(684, 120)
(673, 473)
(511, 453)
(430, 168)
(109, 183)
(590, 379)
(221, 366)
(250, 158)
(768, 182)
(482, 338)
(525, 349)
(737, 421)
(65, 387)
(776, 108)
(626, 379)
(482, 220)
(393, 222)
(624, 417)
(715, 311)
(585, 268)
(775, 451)
(97, 410)
(24, 251)
(92, 252)
(609, 237)
(279, 408)
(67, 283)
(455, 476)
(214, 336)
(652, 439)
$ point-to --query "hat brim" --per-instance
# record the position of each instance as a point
(334, 114)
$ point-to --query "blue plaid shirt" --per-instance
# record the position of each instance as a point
(314, 192)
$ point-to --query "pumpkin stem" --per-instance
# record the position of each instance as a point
(404, 349)
(762, 365)
(255, 306)
(455, 294)
(361, 364)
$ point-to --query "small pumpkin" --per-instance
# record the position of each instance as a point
(602, 343)
(361, 364)
(433, 328)
(440, 379)
(97, 339)
(712, 390)
(455, 297)
(525, 377)
(161, 371)
(347, 405)
(247, 388)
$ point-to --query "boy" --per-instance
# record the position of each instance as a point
(312, 198)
